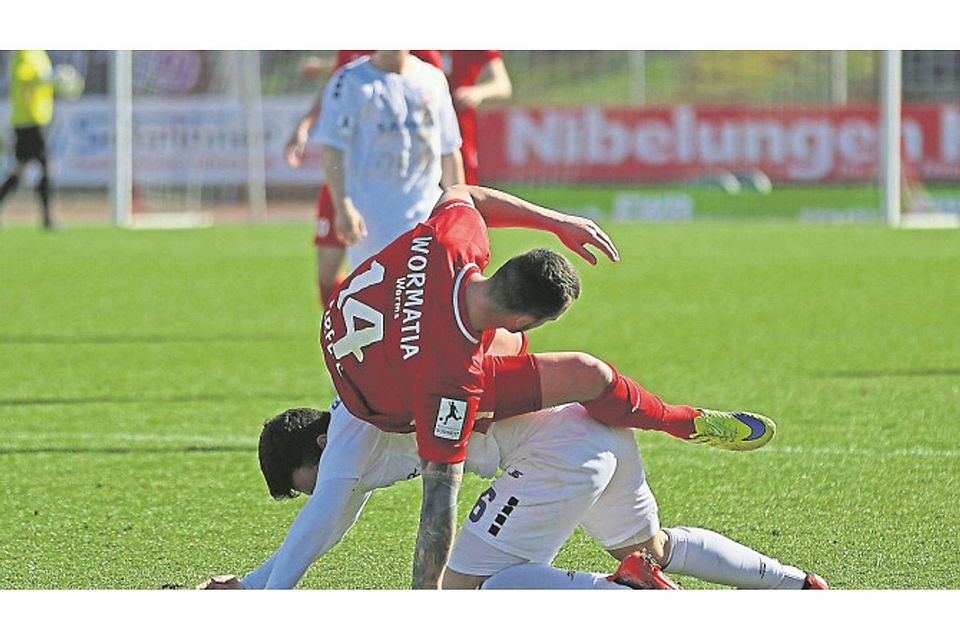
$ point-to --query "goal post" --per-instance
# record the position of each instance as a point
(121, 186)
(183, 156)
(895, 211)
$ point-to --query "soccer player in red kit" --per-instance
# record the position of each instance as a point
(405, 335)
(474, 76)
(330, 248)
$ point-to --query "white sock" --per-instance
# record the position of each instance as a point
(712, 557)
(542, 576)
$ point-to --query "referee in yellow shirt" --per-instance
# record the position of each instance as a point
(31, 109)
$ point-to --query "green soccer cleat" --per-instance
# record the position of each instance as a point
(732, 430)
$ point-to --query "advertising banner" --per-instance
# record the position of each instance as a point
(202, 140)
(181, 141)
(684, 142)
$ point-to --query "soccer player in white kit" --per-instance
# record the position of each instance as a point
(390, 141)
(560, 468)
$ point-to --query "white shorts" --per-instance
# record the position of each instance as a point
(357, 449)
(561, 469)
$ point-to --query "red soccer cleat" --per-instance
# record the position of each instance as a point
(640, 571)
(813, 581)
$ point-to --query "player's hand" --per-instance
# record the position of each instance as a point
(349, 224)
(293, 152)
(468, 97)
(218, 583)
(578, 233)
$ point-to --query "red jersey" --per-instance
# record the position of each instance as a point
(396, 339)
(430, 56)
(465, 68)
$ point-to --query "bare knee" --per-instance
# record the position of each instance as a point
(572, 377)
(658, 546)
(591, 374)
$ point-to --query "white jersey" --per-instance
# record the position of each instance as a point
(393, 129)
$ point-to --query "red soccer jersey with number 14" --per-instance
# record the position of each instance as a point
(396, 340)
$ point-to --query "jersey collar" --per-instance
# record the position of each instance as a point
(459, 303)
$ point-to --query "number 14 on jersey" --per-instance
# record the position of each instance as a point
(363, 325)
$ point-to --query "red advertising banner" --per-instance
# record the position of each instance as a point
(789, 143)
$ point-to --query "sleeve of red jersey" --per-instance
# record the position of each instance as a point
(445, 411)
(462, 230)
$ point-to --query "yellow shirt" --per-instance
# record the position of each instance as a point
(31, 88)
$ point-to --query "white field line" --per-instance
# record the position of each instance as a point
(916, 452)
(47, 436)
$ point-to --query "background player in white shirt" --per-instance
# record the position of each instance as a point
(560, 467)
(390, 140)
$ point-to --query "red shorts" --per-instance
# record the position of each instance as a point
(516, 386)
(325, 234)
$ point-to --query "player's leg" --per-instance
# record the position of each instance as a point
(710, 556)
(508, 571)
(13, 180)
(22, 153)
(36, 149)
(329, 271)
(552, 379)
(617, 400)
(468, 151)
(43, 193)
(625, 520)
(552, 472)
(611, 398)
(330, 251)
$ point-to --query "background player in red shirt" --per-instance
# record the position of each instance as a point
(330, 249)
(405, 336)
(474, 76)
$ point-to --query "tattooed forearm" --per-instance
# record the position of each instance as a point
(438, 521)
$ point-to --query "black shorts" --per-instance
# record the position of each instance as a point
(30, 144)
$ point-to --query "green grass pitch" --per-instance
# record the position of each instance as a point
(137, 367)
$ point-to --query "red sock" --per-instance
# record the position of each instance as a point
(626, 404)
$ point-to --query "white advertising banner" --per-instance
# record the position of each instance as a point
(184, 141)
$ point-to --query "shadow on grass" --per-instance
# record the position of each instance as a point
(892, 373)
(129, 450)
(213, 397)
(146, 339)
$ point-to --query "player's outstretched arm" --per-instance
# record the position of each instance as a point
(321, 523)
(500, 209)
(438, 522)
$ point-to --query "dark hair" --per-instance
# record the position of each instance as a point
(289, 441)
(539, 282)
